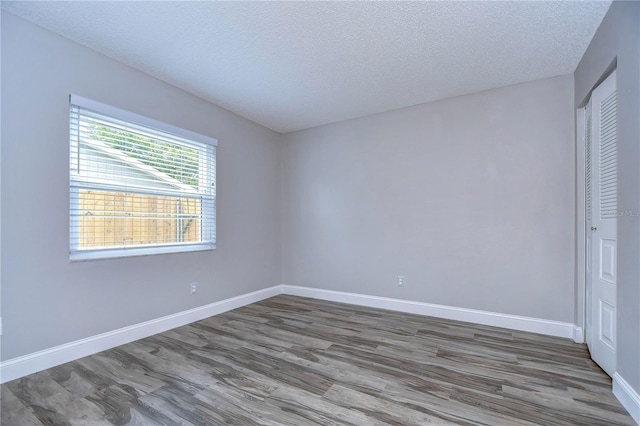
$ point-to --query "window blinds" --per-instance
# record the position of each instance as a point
(137, 186)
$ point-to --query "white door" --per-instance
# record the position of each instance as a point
(588, 223)
(602, 214)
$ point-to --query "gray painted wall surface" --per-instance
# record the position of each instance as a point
(47, 300)
(471, 199)
(618, 38)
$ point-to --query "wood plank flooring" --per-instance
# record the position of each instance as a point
(296, 361)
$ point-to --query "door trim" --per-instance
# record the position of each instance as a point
(580, 307)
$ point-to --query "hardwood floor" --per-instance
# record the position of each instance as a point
(296, 361)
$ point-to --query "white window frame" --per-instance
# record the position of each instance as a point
(75, 184)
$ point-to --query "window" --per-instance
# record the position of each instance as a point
(137, 186)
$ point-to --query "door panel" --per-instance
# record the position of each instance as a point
(602, 202)
(607, 327)
(608, 260)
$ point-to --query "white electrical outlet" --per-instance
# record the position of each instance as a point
(400, 281)
(194, 288)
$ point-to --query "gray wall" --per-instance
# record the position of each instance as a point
(47, 300)
(618, 39)
(470, 198)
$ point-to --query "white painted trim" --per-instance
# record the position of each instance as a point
(514, 322)
(578, 334)
(628, 397)
(38, 361)
(47, 358)
(581, 220)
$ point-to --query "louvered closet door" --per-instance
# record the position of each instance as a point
(603, 228)
(588, 136)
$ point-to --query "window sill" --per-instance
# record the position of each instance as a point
(80, 256)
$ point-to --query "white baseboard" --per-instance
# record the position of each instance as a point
(578, 334)
(38, 361)
(627, 396)
(514, 322)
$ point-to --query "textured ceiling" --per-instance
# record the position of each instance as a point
(294, 65)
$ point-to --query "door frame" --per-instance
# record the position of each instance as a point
(580, 316)
(580, 313)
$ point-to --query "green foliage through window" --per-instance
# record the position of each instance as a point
(181, 163)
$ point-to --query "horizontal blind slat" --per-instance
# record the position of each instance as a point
(133, 186)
